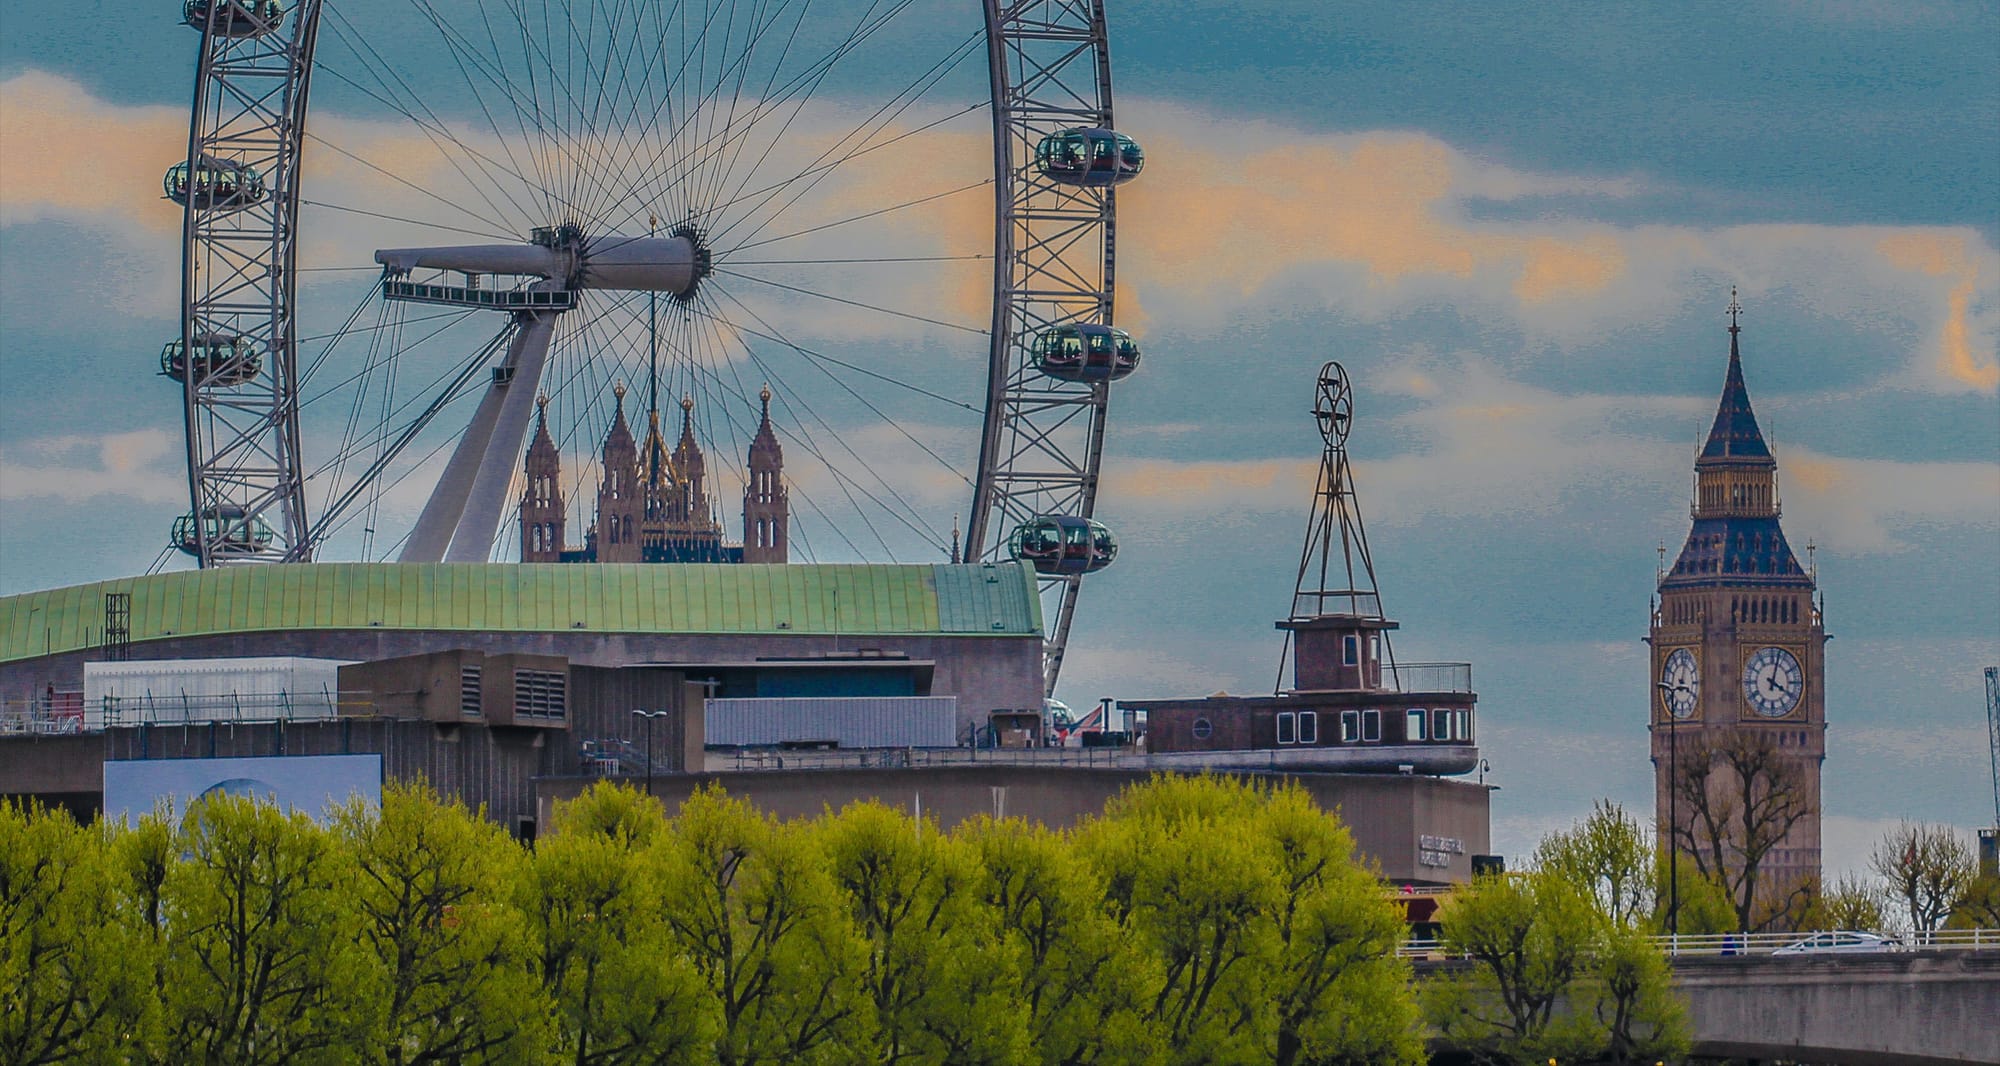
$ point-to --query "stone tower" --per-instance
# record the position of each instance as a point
(618, 496)
(542, 517)
(765, 506)
(1738, 657)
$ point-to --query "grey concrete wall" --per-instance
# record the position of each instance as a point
(1904, 1009)
(1387, 813)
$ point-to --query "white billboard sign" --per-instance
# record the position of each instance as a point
(312, 784)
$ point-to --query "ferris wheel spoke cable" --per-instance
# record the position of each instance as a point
(857, 153)
(905, 205)
(909, 95)
(795, 394)
(814, 361)
(435, 129)
(852, 303)
(723, 168)
(497, 226)
(799, 88)
(802, 434)
(449, 387)
(819, 168)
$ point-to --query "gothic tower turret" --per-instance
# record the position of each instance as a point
(766, 509)
(618, 497)
(690, 471)
(542, 515)
(1738, 690)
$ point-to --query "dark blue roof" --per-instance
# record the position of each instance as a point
(1735, 434)
(1739, 551)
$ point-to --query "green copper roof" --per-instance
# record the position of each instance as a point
(972, 599)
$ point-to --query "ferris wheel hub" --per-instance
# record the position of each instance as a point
(674, 264)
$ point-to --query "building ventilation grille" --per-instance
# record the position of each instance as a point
(539, 693)
(468, 691)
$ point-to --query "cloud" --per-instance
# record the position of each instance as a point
(1855, 506)
(1947, 255)
(70, 155)
(141, 466)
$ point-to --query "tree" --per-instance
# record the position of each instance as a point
(1608, 856)
(1850, 903)
(1341, 992)
(450, 954)
(261, 964)
(1551, 976)
(74, 974)
(1082, 977)
(1979, 906)
(620, 992)
(1635, 1004)
(1271, 942)
(1927, 869)
(941, 981)
(1743, 795)
(750, 903)
(1529, 938)
(1187, 876)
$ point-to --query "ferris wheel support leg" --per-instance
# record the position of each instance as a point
(444, 513)
(486, 499)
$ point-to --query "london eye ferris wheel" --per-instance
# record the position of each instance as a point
(895, 216)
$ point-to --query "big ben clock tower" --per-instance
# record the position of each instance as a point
(1738, 656)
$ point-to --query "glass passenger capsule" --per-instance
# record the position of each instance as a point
(235, 18)
(219, 359)
(229, 531)
(215, 185)
(1063, 544)
(1083, 351)
(1094, 157)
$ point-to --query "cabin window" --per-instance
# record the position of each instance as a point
(1464, 730)
(1441, 724)
(1374, 647)
(1308, 727)
(1350, 726)
(1413, 724)
(1371, 726)
(1287, 728)
(1350, 650)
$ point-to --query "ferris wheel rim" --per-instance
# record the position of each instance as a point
(1007, 28)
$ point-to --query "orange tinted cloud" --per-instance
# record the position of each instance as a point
(1234, 219)
(66, 153)
(1947, 255)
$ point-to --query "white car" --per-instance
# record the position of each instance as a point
(1841, 943)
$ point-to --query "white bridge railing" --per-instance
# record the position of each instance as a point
(1722, 944)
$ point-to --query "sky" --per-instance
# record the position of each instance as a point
(1517, 228)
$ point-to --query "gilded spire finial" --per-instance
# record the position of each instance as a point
(618, 390)
(1735, 309)
(687, 402)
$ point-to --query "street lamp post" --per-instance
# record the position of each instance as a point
(1673, 807)
(647, 717)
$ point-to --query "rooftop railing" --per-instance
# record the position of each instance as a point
(1720, 945)
(1428, 677)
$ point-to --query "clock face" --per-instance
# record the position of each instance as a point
(1773, 682)
(1680, 679)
